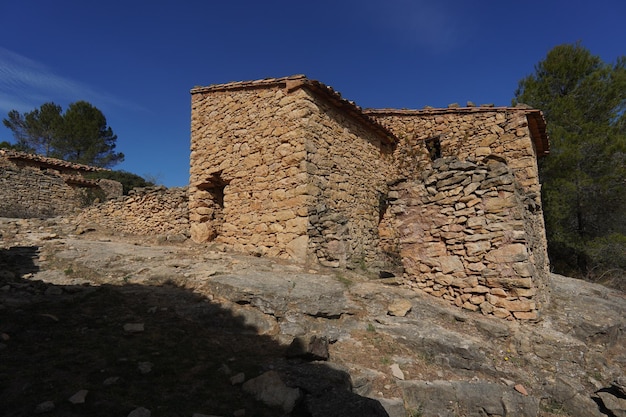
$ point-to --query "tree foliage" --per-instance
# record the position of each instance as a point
(79, 135)
(7, 145)
(127, 179)
(584, 187)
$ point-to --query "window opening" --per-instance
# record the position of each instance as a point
(433, 145)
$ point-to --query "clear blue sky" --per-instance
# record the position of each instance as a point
(136, 60)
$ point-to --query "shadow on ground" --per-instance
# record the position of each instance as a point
(163, 348)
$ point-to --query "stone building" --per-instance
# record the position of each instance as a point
(37, 186)
(286, 167)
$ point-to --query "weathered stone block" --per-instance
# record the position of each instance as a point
(477, 248)
(515, 305)
(498, 204)
(509, 282)
(515, 252)
(450, 264)
(524, 269)
(526, 315)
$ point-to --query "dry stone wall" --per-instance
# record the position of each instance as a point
(248, 187)
(348, 167)
(150, 211)
(286, 168)
(34, 193)
(467, 133)
(466, 235)
(466, 209)
(34, 186)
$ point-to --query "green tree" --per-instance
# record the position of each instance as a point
(85, 137)
(127, 179)
(79, 135)
(36, 131)
(6, 145)
(584, 192)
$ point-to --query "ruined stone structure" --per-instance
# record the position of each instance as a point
(285, 167)
(36, 186)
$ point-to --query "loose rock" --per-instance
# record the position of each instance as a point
(44, 407)
(400, 308)
(397, 372)
(140, 412)
(271, 390)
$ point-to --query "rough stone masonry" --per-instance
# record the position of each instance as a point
(37, 186)
(286, 167)
(466, 207)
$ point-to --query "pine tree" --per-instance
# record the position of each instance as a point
(85, 137)
(35, 131)
(79, 135)
(584, 187)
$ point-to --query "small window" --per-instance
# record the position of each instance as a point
(433, 145)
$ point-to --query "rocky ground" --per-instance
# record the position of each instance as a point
(93, 324)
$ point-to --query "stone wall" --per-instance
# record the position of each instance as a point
(150, 211)
(517, 134)
(248, 188)
(348, 166)
(286, 168)
(467, 234)
(466, 207)
(35, 186)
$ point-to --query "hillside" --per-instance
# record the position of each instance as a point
(107, 325)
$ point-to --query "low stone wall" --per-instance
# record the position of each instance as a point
(468, 232)
(28, 193)
(149, 211)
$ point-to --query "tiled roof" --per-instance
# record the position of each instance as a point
(294, 82)
(47, 162)
(536, 121)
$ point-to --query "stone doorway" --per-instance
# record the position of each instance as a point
(209, 209)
